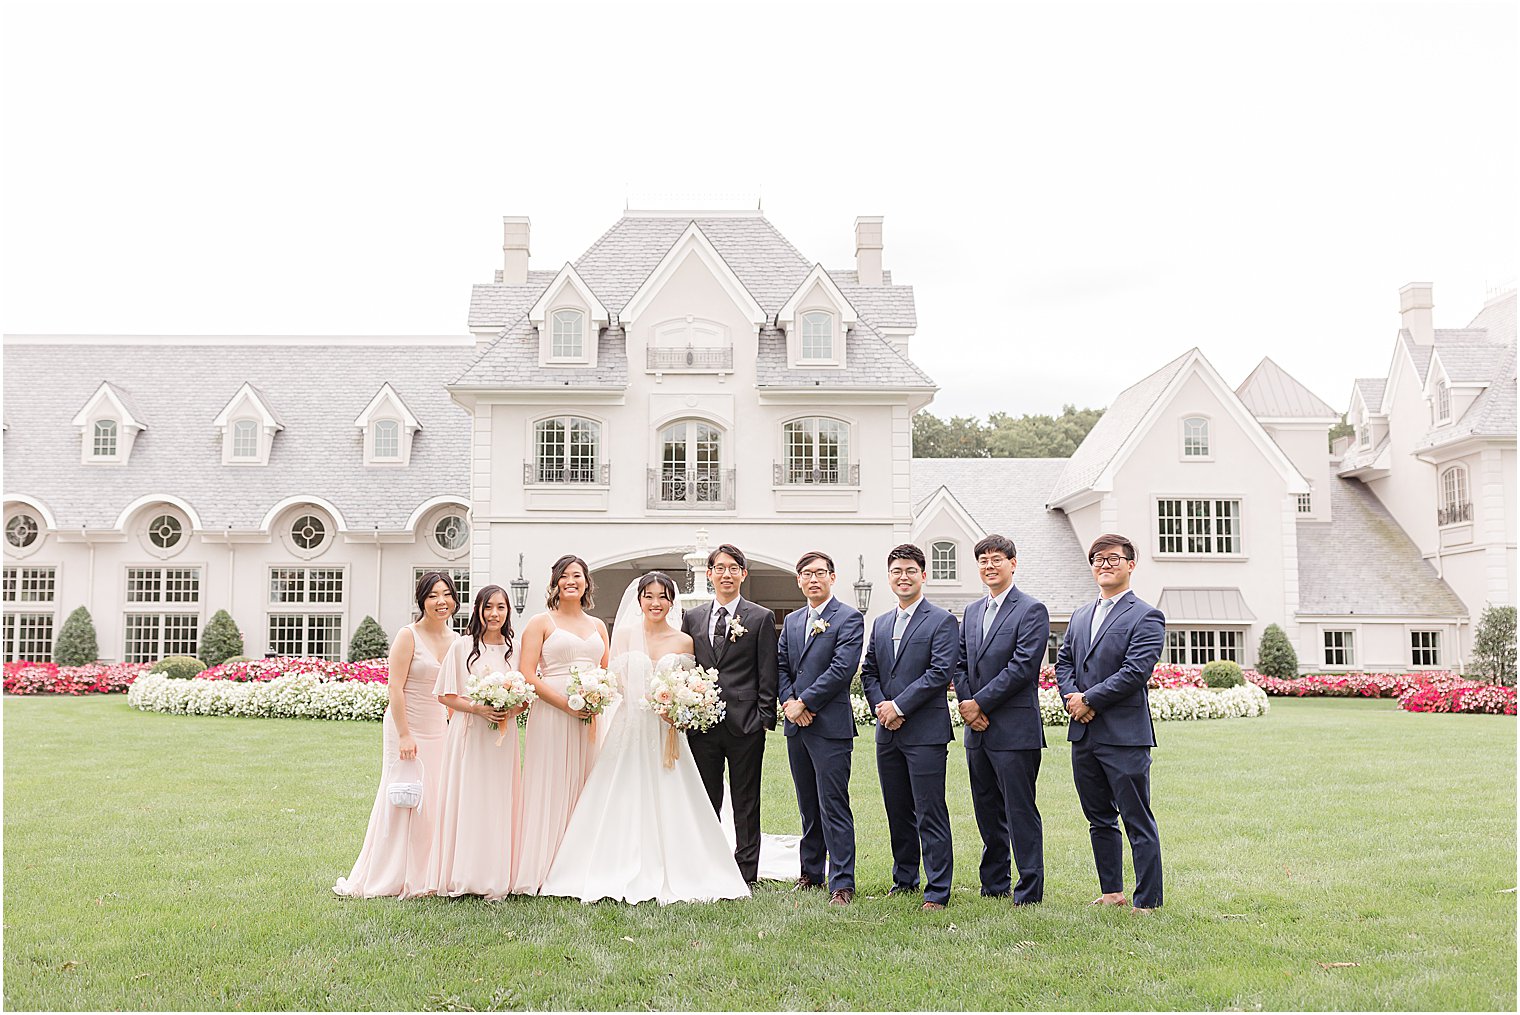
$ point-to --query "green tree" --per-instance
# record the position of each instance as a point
(76, 643)
(1039, 436)
(1275, 656)
(221, 640)
(960, 437)
(1493, 655)
(1339, 430)
(369, 642)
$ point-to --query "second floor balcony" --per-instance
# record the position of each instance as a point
(690, 359)
(691, 489)
(1451, 514)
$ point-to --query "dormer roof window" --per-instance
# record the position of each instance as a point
(108, 427)
(248, 424)
(388, 426)
(569, 319)
(815, 319)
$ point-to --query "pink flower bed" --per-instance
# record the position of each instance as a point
(1163, 676)
(1450, 693)
(371, 671)
(50, 678)
(1344, 685)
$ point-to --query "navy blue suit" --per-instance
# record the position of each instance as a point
(910, 760)
(1001, 673)
(817, 671)
(1111, 753)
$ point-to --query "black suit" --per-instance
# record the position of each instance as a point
(746, 666)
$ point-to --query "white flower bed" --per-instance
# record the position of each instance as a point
(1245, 702)
(297, 696)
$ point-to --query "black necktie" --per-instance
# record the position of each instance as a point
(721, 625)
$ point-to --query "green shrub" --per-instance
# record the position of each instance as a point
(76, 644)
(234, 659)
(1223, 673)
(856, 686)
(221, 640)
(369, 642)
(178, 667)
(1493, 654)
(1275, 656)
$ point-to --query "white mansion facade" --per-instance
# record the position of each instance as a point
(696, 373)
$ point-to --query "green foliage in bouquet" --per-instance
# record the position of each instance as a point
(76, 644)
(1275, 656)
(1223, 673)
(221, 640)
(178, 667)
(368, 642)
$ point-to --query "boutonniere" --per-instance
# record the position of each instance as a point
(736, 630)
(820, 625)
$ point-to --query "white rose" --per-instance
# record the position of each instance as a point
(576, 702)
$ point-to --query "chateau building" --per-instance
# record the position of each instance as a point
(691, 376)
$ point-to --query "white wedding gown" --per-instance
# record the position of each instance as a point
(640, 830)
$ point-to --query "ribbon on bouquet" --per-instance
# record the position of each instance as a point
(672, 746)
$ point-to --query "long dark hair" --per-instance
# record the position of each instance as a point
(477, 627)
(558, 571)
(425, 587)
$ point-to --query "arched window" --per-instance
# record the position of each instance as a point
(817, 335)
(1456, 503)
(943, 562)
(1443, 402)
(105, 439)
(387, 438)
(691, 463)
(569, 337)
(165, 531)
(1195, 437)
(566, 450)
(245, 439)
(452, 531)
(308, 532)
(817, 450)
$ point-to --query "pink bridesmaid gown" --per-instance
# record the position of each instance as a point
(556, 760)
(398, 842)
(474, 848)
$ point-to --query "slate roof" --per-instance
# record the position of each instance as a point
(515, 365)
(1361, 563)
(764, 261)
(1497, 318)
(1492, 413)
(1372, 389)
(1358, 457)
(1482, 353)
(1270, 392)
(1008, 495)
(1113, 428)
(1472, 363)
(317, 391)
(1418, 354)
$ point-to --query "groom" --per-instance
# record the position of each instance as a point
(738, 639)
(818, 656)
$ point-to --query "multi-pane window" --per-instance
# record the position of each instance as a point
(461, 576)
(1195, 437)
(817, 335)
(387, 438)
(245, 439)
(942, 562)
(817, 450)
(21, 531)
(1425, 648)
(105, 439)
(305, 625)
(1340, 648)
(1197, 647)
(29, 594)
(566, 449)
(691, 463)
(1443, 401)
(1305, 503)
(569, 341)
(1364, 435)
(1456, 504)
(162, 617)
(1197, 526)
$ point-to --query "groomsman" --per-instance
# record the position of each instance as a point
(1104, 664)
(910, 660)
(816, 659)
(997, 680)
(738, 639)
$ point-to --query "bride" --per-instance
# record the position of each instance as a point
(640, 830)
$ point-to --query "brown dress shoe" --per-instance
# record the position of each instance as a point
(931, 906)
(843, 897)
(803, 884)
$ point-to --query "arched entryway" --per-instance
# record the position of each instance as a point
(769, 585)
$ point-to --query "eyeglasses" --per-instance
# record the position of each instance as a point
(727, 569)
(816, 572)
(905, 572)
(997, 561)
(1112, 560)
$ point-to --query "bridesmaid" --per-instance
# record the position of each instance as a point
(398, 842)
(473, 851)
(560, 747)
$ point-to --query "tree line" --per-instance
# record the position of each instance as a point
(1002, 436)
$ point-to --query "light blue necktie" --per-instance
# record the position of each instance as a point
(1099, 615)
(811, 620)
(988, 615)
(898, 627)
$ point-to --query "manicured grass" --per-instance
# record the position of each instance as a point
(159, 861)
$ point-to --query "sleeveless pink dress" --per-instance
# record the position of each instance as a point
(556, 761)
(474, 847)
(399, 841)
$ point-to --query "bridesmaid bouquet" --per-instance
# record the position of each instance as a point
(501, 692)
(687, 698)
(591, 688)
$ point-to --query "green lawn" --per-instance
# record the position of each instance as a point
(171, 862)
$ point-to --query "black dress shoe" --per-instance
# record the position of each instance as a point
(805, 884)
(995, 895)
(842, 897)
(901, 890)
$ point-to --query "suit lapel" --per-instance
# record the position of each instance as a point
(913, 624)
(1009, 602)
(826, 616)
(1113, 618)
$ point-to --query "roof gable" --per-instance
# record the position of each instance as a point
(387, 398)
(821, 278)
(108, 400)
(256, 400)
(693, 243)
(1270, 392)
(568, 276)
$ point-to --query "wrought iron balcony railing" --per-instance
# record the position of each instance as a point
(783, 474)
(1453, 513)
(558, 473)
(691, 357)
(686, 489)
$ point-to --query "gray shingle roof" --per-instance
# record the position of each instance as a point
(1372, 389)
(1492, 413)
(1358, 457)
(1270, 392)
(886, 306)
(497, 306)
(1497, 318)
(1419, 354)
(870, 362)
(1113, 428)
(512, 362)
(317, 390)
(1008, 495)
(1469, 363)
(1361, 563)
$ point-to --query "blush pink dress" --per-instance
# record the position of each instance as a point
(556, 760)
(473, 851)
(399, 841)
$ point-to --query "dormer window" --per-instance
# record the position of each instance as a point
(1364, 435)
(569, 339)
(817, 335)
(245, 439)
(1443, 402)
(105, 439)
(387, 437)
(388, 428)
(816, 319)
(248, 424)
(108, 427)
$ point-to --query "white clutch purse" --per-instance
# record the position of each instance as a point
(405, 788)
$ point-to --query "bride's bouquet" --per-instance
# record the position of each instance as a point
(591, 688)
(687, 698)
(501, 692)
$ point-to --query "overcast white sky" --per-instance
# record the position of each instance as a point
(1077, 192)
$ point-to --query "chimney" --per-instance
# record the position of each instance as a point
(514, 249)
(1415, 305)
(868, 249)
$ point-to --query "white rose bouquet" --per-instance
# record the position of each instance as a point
(688, 699)
(591, 688)
(501, 692)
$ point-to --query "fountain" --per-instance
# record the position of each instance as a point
(696, 564)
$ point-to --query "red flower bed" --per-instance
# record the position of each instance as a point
(50, 678)
(1164, 675)
(1344, 685)
(373, 671)
(1450, 693)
